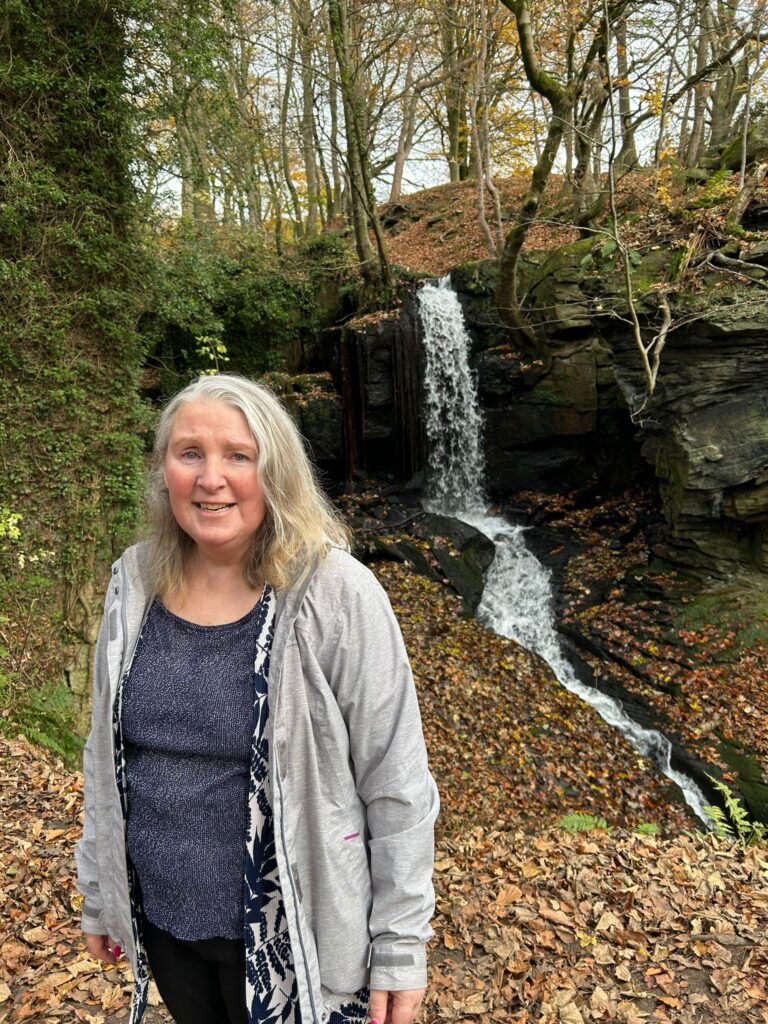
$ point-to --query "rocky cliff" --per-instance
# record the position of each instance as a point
(582, 422)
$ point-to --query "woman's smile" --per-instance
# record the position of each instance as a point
(213, 508)
(211, 472)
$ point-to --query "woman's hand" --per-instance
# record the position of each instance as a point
(103, 948)
(395, 1007)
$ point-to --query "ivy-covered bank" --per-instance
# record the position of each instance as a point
(70, 416)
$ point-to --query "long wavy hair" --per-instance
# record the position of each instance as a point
(300, 523)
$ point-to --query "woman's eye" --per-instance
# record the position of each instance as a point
(189, 456)
(239, 457)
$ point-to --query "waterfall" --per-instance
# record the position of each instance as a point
(517, 600)
(455, 464)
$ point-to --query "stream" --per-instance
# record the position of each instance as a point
(517, 600)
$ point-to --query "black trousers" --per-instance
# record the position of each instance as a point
(201, 982)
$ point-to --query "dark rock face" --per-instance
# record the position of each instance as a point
(321, 425)
(704, 433)
(550, 431)
(705, 429)
(381, 374)
(460, 554)
(315, 407)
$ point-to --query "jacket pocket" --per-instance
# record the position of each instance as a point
(343, 937)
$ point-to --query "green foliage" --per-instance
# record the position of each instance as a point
(70, 268)
(714, 192)
(738, 605)
(606, 256)
(734, 822)
(647, 828)
(578, 822)
(44, 716)
(218, 292)
(9, 523)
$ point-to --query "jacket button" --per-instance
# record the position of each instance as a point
(114, 570)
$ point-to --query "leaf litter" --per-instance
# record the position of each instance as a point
(532, 923)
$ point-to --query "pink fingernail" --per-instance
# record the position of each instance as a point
(116, 951)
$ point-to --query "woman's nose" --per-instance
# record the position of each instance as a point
(211, 474)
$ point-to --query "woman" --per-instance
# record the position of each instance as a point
(258, 808)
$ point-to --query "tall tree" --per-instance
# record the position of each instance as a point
(345, 33)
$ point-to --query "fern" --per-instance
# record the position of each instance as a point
(736, 823)
(715, 190)
(647, 828)
(43, 716)
(578, 822)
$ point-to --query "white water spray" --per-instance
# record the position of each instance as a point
(517, 599)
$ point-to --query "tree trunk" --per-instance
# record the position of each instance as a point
(507, 297)
(335, 203)
(304, 15)
(285, 156)
(695, 149)
(455, 92)
(628, 147)
(359, 197)
(405, 136)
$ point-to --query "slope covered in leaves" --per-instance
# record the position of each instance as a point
(694, 652)
(508, 744)
(436, 229)
(532, 924)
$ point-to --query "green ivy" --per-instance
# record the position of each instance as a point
(71, 267)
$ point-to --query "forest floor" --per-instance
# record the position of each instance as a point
(533, 923)
(436, 229)
(695, 652)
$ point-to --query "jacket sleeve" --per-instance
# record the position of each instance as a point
(372, 680)
(85, 851)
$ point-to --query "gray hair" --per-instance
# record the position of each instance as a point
(300, 523)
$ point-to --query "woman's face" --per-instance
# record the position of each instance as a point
(211, 472)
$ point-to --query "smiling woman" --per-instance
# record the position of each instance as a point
(238, 706)
(211, 472)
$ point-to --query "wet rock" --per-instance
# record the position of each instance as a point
(321, 425)
(462, 552)
(381, 372)
(705, 432)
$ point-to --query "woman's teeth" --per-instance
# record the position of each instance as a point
(212, 508)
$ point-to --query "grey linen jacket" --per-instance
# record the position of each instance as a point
(353, 800)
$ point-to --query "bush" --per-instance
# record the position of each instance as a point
(213, 286)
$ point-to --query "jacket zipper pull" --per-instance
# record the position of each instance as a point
(370, 954)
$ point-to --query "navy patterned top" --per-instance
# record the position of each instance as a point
(187, 733)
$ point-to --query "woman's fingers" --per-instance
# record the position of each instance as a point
(405, 1005)
(103, 948)
(378, 1006)
(395, 1007)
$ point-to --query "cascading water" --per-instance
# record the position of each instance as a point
(455, 466)
(517, 599)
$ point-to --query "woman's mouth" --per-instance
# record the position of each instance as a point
(209, 507)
